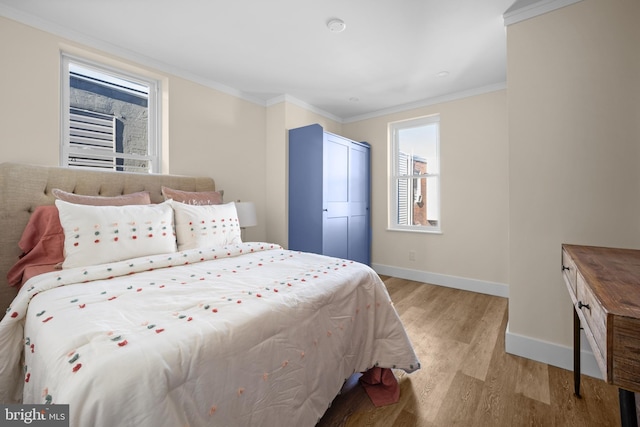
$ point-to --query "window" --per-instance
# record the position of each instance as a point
(415, 175)
(109, 118)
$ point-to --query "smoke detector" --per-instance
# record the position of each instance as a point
(336, 25)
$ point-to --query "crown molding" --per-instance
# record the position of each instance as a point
(429, 101)
(120, 52)
(526, 9)
(293, 100)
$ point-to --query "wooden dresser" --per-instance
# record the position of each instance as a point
(604, 284)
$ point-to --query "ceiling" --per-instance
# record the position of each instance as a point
(389, 57)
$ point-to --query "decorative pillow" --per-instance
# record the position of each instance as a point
(206, 225)
(101, 234)
(193, 197)
(140, 198)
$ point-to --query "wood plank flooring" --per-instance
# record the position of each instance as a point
(466, 378)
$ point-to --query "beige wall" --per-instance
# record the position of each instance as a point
(219, 135)
(29, 94)
(244, 147)
(574, 105)
(474, 187)
(474, 242)
(228, 132)
(280, 118)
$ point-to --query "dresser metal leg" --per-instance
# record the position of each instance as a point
(576, 353)
(628, 416)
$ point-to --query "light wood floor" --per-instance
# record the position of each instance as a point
(466, 378)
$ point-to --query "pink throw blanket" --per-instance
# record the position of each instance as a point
(42, 246)
(381, 385)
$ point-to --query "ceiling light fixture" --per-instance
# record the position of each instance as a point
(336, 25)
(442, 74)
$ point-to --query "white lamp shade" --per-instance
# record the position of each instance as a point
(246, 214)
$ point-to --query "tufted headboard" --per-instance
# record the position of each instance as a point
(25, 186)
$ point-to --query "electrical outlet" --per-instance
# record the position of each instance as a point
(412, 255)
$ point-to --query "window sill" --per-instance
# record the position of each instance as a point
(416, 230)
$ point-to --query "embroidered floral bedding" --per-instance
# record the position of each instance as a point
(246, 335)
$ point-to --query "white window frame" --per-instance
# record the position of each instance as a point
(395, 175)
(154, 112)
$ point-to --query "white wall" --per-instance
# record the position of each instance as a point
(574, 140)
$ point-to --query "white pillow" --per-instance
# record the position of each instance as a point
(206, 225)
(100, 234)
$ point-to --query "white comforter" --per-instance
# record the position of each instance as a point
(250, 335)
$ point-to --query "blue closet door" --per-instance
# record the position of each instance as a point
(335, 219)
(306, 189)
(359, 244)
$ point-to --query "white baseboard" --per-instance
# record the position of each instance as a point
(552, 354)
(518, 345)
(463, 283)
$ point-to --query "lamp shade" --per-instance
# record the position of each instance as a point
(246, 214)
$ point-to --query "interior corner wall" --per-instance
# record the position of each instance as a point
(276, 175)
(280, 118)
(215, 134)
(574, 152)
(471, 252)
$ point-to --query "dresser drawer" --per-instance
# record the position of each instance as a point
(569, 270)
(595, 321)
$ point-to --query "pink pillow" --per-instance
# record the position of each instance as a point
(193, 197)
(42, 244)
(140, 198)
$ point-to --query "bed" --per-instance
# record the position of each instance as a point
(211, 333)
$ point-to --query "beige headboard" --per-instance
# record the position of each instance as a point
(25, 186)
